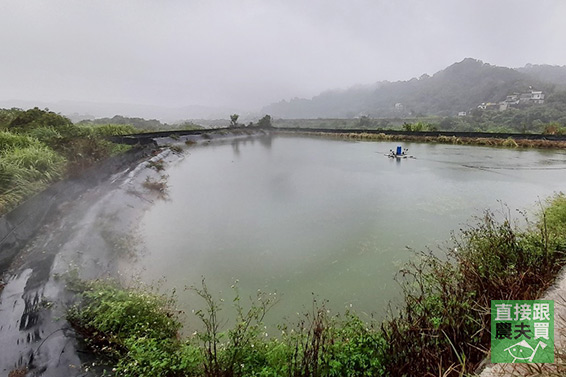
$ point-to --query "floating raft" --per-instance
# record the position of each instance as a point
(399, 153)
(399, 157)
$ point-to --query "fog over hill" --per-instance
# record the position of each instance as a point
(549, 73)
(460, 87)
(77, 111)
(186, 59)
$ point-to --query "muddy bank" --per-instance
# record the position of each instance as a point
(81, 228)
(40, 240)
(192, 135)
(19, 225)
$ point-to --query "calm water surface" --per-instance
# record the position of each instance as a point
(335, 218)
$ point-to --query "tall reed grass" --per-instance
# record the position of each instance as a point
(27, 170)
(32, 157)
(9, 141)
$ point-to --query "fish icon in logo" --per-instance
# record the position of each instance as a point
(524, 351)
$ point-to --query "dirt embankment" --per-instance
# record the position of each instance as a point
(40, 242)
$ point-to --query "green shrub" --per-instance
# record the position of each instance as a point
(148, 356)
(555, 216)
(23, 121)
(122, 314)
(47, 135)
(356, 348)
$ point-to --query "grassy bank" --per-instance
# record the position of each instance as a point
(38, 147)
(480, 141)
(138, 332)
(441, 329)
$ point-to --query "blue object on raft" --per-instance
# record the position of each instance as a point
(398, 153)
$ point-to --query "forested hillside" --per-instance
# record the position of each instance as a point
(141, 124)
(461, 87)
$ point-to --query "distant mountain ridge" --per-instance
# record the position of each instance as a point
(460, 87)
(80, 110)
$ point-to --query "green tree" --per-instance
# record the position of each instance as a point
(234, 120)
(264, 122)
(364, 121)
(28, 120)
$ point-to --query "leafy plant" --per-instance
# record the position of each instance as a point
(264, 122)
(158, 165)
(237, 356)
(176, 149)
(136, 328)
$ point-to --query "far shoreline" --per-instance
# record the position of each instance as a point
(509, 140)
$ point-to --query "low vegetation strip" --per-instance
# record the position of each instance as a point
(493, 140)
(442, 328)
(411, 131)
(137, 331)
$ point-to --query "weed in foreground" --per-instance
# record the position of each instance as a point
(238, 351)
(156, 185)
(136, 329)
(20, 372)
(158, 165)
(444, 324)
(138, 332)
(176, 149)
(122, 244)
(321, 344)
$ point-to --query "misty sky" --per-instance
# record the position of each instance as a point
(249, 53)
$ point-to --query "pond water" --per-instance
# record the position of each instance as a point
(302, 216)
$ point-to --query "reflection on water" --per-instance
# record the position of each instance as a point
(334, 218)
